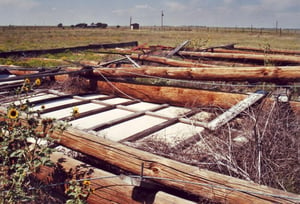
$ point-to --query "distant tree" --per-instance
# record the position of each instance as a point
(81, 25)
(118, 26)
(101, 25)
(60, 25)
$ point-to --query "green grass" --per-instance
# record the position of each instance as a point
(25, 38)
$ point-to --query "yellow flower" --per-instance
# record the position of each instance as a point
(75, 111)
(86, 182)
(23, 107)
(25, 88)
(12, 113)
(37, 82)
(27, 81)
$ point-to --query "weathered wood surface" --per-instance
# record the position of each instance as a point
(27, 53)
(214, 186)
(109, 190)
(272, 58)
(235, 110)
(179, 96)
(273, 74)
(179, 47)
(167, 61)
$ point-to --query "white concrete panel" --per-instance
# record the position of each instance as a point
(174, 134)
(142, 106)
(129, 128)
(172, 111)
(66, 112)
(55, 103)
(36, 97)
(92, 96)
(96, 119)
(114, 101)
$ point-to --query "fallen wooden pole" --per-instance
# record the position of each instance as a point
(167, 61)
(267, 74)
(211, 185)
(179, 96)
(27, 53)
(108, 188)
(261, 58)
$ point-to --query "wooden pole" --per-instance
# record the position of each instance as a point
(211, 185)
(273, 74)
(239, 56)
(164, 60)
(179, 96)
(110, 189)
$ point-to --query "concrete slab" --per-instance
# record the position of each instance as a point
(172, 111)
(114, 101)
(129, 128)
(142, 106)
(174, 134)
(96, 119)
(67, 112)
(55, 103)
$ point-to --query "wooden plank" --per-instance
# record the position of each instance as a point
(176, 50)
(235, 110)
(132, 61)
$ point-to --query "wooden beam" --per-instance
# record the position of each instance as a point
(180, 96)
(235, 110)
(164, 60)
(211, 185)
(273, 58)
(268, 74)
(59, 50)
(113, 189)
(176, 50)
(132, 61)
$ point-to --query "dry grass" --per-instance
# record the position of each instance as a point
(24, 38)
(261, 145)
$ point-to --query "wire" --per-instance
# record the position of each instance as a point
(116, 88)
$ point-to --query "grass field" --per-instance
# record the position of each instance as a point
(25, 38)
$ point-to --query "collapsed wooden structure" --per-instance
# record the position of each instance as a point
(149, 110)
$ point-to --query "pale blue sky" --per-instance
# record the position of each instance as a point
(242, 13)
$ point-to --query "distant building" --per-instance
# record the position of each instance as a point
(135, 26)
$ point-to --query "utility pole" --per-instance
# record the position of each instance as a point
(162, 19)
(130, 21)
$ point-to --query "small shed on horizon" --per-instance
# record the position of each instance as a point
(135, 26)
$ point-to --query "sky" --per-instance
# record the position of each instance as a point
(224, 13)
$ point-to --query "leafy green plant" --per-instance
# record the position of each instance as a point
(78, 191)
(24, 147)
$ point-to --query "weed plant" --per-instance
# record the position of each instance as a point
(25, 147)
